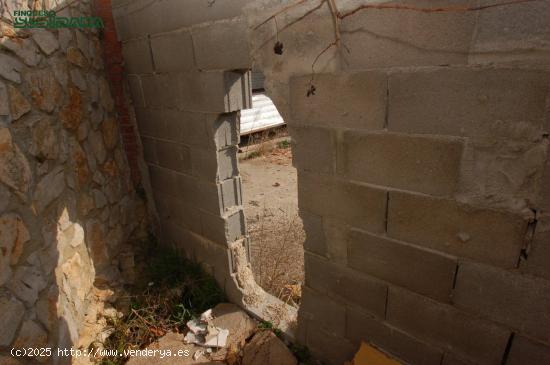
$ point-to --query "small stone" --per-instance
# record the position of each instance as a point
(18, 103)
(65, 38)
(10, 68)
(91, 158)
(11, 314)
(78, 79)
(114, 217)
(45, 90)
(4, 104)
(105, 95)
(82, 132)
(79, 163)
(99, 199)
(96, 116)
(98, 178)
(49, 188)
(96, 53)
(7, 30)
(31, 335)
(75, 57)
(45, 143)
(83, 43)
(13, 236)
(104, 216)
(24, 48)
(85, 204)
(96, 143)
(48, 258)
(71, 113)
(110, 132)
(14, 167)
(110, 168)
(27, 282)
(115, 237)
(74, 235)
(46, 40)
(46, 307)
(267, 349)
(95, 238)
(42, 168)
(4, 198)
(113, 191)
(93, 87)
(60, 71)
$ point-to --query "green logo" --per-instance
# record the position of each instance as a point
(48, 19)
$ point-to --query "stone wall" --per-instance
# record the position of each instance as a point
(68, 208)
(422, 159)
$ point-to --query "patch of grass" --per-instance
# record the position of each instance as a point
(301, 353)
(265, 325)
(172, 291)
(283, 144)
(268, 326)
(254, 154)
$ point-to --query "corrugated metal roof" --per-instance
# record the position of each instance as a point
(263, 115)
(257, 80)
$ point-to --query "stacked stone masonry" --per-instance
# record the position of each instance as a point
(422, 159)
(68, 207)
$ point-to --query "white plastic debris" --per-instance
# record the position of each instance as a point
(219, 340)
(203, 333)
(190, 337)
(207, 316)
(196, 326)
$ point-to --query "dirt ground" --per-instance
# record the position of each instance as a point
(271, 205)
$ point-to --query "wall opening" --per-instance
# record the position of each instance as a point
(270, 198)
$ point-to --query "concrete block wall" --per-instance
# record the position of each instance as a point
(422, 159)
(188, 123)
(421, 168)
(189, 78)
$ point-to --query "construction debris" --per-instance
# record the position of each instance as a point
(202, 332)
(224, 335)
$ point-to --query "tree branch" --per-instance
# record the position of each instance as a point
(451, 9)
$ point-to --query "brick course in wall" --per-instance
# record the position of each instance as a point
(113, 59)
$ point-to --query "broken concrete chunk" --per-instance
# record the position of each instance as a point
(233, 318)
(267, 349)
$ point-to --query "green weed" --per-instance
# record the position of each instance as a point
(171, 292)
